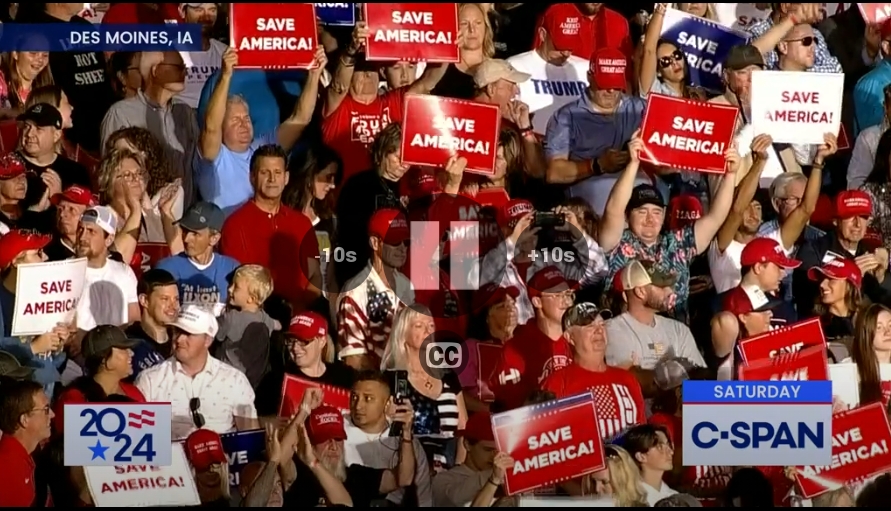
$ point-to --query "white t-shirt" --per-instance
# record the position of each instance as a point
(108, 292)
(550, 86)
(725, 267)
(200, 65)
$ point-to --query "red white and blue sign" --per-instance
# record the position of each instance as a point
(764, 423)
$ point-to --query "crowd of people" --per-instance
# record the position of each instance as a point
(244, 226)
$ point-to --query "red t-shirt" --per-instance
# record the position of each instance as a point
(606, 29)
(351, 128)
(617, 396)
(283, 243)
(74, 396)
(699, 476)
(18, 474)
(529, 358)
(134, 13)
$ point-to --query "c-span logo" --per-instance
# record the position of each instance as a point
(769, 423)
(117, 434)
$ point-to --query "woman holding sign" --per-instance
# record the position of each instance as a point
(663, 68)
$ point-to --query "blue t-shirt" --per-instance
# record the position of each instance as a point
(578, 132)
(226, 181)
(270, 95)
(206, 286)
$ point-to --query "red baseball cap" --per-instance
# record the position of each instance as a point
(515, 209)
(746, 299)
(608, 66)
(491, 294)
(11, 166)
(838, 269)
(546, 279)
(307, 326)
(479, 428)
(422, 184)
(15, 242)
(325, 423)
(683, 211)
(390, 225)
(872, 239)
(204, 448)
(563, 24)
(766, 250)
(824, 213)
(851, 203)
(76, 194)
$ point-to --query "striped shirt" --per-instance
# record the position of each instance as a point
(366, 310)
(437, 420)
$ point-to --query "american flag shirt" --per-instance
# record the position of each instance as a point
(365, 313)
(618, 399)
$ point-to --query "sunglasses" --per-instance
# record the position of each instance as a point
(611, 454)
(668, 60)
(805, 41)
(197, 418)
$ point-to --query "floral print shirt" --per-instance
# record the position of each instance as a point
(673, 253)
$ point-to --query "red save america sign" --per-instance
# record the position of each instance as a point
(788, 339)
(875, 13)
(684, 134)
(412, 32)
(293, 389)
(807, 364)
(550, 442)
(147, 256)
(861, 448)
(434, 128)
(274, 36)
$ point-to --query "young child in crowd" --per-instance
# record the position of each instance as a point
(244, 326)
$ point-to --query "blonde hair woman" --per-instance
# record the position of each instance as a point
(703, 10)
(437, 398)
(122, 185)
(621, 479)
(478, 46)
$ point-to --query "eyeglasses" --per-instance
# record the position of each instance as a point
(46, 410)
(131, 176)
(668, 60)
(405, 243)
(197, 418)
(805, 41)
(566, 296)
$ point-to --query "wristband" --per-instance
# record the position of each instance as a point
(527, 131)
(407, 440)
(493, 483)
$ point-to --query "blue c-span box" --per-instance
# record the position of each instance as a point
(767, 423)
(76, 37)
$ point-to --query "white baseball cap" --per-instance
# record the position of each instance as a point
(103, 216)
(196, 320)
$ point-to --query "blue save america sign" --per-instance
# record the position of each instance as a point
(705, 43)
(337, 14)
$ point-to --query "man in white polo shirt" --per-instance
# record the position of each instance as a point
(558, 77)
(203, 391)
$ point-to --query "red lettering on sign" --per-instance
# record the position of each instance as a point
(800, 97)
(61, 286)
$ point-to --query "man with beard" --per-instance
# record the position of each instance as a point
(325, 434)
(266, 232)
(853, 209)
(200, 65)
(642, 335)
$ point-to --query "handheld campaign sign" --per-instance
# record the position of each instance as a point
(242, 447)
(705, 43)
(336, 15)
(550, 442)
(117, 434)
(274, 36)
(766, 423)
(47, 294)
(796, 107)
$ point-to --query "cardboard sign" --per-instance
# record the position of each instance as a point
(685, 134)
(336, 15)
(293, 389)
(242, 447)
(144, 485)
(488, 356)
(788, 339)
(434, 128)
(861, 448)
(412, 32)
(874, 13)
(705, 43)
(147, 256)
(796, 107)
(846, 383)
(46, 294)
(274, 36)
(550, 442)
(807, 364)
